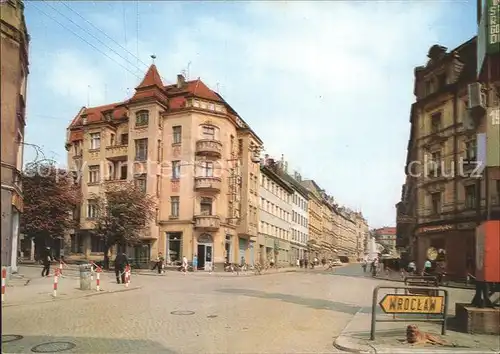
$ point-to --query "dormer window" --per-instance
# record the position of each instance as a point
(108, 116)
(441, 80)
(84, 120)
(141, 118)
(436, 122)
(428, 87)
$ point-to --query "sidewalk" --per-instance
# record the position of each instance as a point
(218, 274)
(29, 287)
(391, 338)
(394, 276)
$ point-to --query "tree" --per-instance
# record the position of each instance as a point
(50, 198)
(123, 212)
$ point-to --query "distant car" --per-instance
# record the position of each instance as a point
(336, 263)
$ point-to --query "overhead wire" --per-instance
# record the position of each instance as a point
(124, 48)
(104, 33)
(83, 39)
(85, 30)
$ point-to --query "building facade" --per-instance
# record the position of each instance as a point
(14, 73)
(362, 235)
(275, 216)
(186, 146)
(386, 236)
(315, 212)
(345, 227)
(300, 218)
(444, 197)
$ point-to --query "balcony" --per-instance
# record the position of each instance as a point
(207, 222)
(208, 184)
(208, 147)
(117, 152)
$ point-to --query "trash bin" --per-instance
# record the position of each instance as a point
(85, 273)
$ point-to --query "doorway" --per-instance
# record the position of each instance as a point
(205, 252)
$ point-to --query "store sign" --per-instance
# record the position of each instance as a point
(493, 27)
(438, 228)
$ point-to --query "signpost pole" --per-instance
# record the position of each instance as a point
(374, 312)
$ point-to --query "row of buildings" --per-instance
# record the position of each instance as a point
(217, 196)
(453, 164)
(185, 145)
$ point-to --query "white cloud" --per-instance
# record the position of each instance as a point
(325, 83)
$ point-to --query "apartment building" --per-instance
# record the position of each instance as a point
(330, 239)
(362, 235)
(14, 45)
(300, 217)
(386, 236)
(275, 215)
(317, 239)
(443, 200)
(184, 144)
(345, 227)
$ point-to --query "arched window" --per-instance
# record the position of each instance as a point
(141, 118)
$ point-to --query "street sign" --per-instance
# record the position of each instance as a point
(416, 304)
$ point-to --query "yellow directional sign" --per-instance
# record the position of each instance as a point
(392, 303)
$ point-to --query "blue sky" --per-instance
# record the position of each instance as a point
(327, 84)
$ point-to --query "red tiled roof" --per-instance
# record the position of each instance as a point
(152, 78)
(386, 231)
(75, 136)
(151, 86)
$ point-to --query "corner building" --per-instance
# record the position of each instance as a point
(14, 46)
(443, 201)
(186, 146)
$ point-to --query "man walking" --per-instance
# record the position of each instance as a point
(121, 261)
(46, 259)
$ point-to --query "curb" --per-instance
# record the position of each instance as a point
(73, 298)
(345, 343)
(221, 274)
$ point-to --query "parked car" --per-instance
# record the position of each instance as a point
(337, 263)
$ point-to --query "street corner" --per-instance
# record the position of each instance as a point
(392, 337)
(352, 345)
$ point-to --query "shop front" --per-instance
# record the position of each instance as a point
(454, 243)
(205, 249)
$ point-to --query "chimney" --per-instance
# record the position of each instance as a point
(181, 81)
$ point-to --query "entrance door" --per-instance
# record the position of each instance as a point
(201, 256)
(208, 258)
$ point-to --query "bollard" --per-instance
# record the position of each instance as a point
(98, 280)
(85, 282)
(56, 279)
(127, 276)
(4, 277)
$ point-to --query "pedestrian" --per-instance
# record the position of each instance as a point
(271, 262)
(412, 268)
(297, 263)
(184, 264)
(363, 265)
(159, 263)
(323, 261)
(427, 267)
(306, 263)
(46, 259)
(121, 261)
(195, 263)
